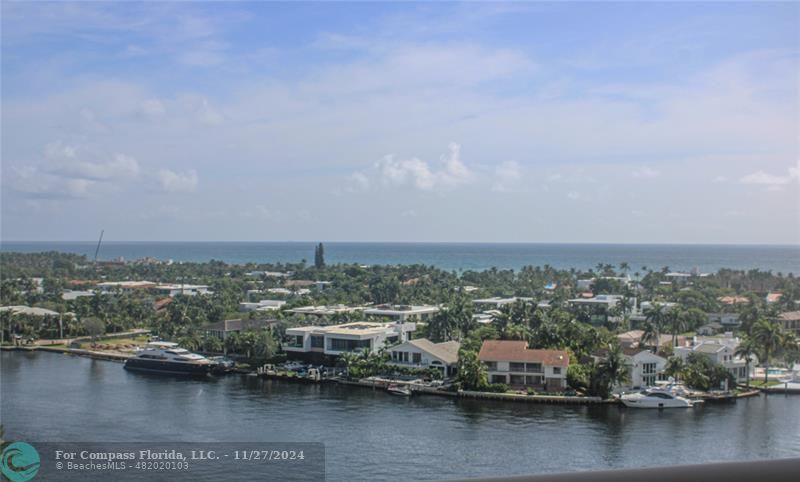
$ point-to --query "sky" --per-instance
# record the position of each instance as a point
(484, 122)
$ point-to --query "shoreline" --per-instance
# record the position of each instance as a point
(382, 384)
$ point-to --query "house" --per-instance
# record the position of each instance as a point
(727, 320)
(423, 353)
(633, 339)
(790, 321)
(598, 306)
(69, 295)
(173, 290)
(288, 292)
(323, 310)
(734, 300)
(710, 328)
(513, 363)
(124, 286)
(263, 305)
(774, 296)
(320, 343)
(645, 367)
(720, 350)
(497, 301)
(403, 312)
(225, 328)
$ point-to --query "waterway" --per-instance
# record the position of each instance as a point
(370, 435)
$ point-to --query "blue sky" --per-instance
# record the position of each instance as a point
(574, 122)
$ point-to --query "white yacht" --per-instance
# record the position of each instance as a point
(166, 357)
(656, 398)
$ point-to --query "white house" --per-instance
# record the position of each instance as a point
(719, 350)
(727, 320)
(325, 310)
(313, 342)
(497, 302)
(263, 305)
(423, 353)
(645, 368)
(173, 290)
(403, 312)
(513, 363)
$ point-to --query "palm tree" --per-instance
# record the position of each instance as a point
(611, 371)
(674, 367)
(769, 337)
(746, 349)
(656, 318)
(677, 321)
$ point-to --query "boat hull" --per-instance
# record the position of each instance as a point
(655, 404)
(172, 368)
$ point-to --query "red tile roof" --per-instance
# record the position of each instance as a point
(518, 351)
(790, 316)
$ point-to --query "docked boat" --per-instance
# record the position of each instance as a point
(401, 390)
(166, 357)
(656, 398)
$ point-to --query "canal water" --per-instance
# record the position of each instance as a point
(370, 435)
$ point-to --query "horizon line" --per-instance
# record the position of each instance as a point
(682, 243)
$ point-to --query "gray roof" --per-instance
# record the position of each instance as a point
(447, 351)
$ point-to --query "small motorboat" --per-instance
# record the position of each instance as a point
(656, 398)
(401, 390)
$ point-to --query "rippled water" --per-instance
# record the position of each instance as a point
(369, 435)
(451, 256)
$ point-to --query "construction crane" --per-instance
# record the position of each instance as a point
(97, 250)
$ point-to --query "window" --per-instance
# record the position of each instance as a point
(516, 367)
(490, 365)
(533, 368)
(648, 368)
(517, 379)
(405, 356)
(416, 357)
(317, 341)
(498, 379)
(556, 370)
(339, 344)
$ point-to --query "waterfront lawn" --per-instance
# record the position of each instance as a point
(761, 384)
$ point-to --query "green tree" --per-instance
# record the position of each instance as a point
(769, 338)
(471, 371)
(746, 349)
(94, 327)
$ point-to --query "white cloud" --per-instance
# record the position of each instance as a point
(452, 172)
(359, 180)
(646, 172)
(507, 175)
(171, 181)
(772, 181)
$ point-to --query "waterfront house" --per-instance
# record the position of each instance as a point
(423, 353)
(513, 363)
(223, 329)
(403, 312)
(320, 343)
(633, 339)
(720, 350)
(645, 367)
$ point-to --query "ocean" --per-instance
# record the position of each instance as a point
(449, 256)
